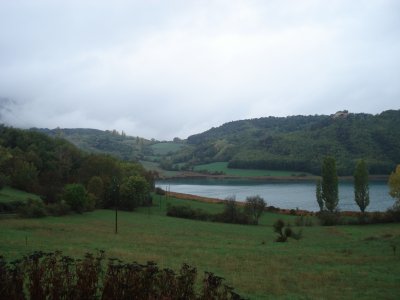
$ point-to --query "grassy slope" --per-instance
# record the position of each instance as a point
(346, 262)
(165, 148)
(223, 167)
(9, 194)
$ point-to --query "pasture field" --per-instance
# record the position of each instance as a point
(340, 262)
(165, 147)
(8, 194)
(223, 167)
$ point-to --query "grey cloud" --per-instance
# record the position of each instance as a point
(173, 68)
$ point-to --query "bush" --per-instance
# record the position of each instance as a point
(328, 218)
(90, 204)
(32, 209)
(254, 208)
(390, 216)
(186, 212)
(285, 231)
(232, 214)
(75, 196)
(393, 214)
(272, 208)
(3, 180)
(303, 221)
(159, 191)
(11, 206)
(147, 201)
(58, 209)
(377, 217)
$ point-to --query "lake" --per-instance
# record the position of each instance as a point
(290, 195)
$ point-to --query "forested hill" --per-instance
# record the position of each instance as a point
(299, 143)
(36, 163)
(98, 141)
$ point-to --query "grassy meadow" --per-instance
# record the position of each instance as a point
(8, 194)
(223, 167)
(343, 262)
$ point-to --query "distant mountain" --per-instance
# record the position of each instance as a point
(98, 141)
(298, 143)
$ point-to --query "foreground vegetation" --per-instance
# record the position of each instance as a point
(346, 262)
(55, 276)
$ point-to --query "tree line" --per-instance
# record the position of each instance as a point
(59, 172)
(327, 190)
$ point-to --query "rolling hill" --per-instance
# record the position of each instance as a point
(299, 143)
(294, 143)
(99, 141)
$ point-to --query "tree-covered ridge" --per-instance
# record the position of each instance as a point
(57, 170)
(299, 143)
(111, 142)
(295, 143)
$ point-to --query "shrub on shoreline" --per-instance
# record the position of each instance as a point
(231, 214)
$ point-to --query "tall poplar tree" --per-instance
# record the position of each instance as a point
(318, 194)
(361, 188)
(330, 190)
(394, 186)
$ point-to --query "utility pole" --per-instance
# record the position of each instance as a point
(115, 194)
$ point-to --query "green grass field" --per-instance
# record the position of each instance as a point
(223, 167)
(343, 262)
(165, 148)
(8, 194)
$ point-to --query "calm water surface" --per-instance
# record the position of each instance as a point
(279, 194)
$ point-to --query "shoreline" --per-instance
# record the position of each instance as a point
(196, 175)
(272, 209)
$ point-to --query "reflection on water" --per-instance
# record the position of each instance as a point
(279, 194)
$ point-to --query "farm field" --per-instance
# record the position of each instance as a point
(346, 262)
(223, 167)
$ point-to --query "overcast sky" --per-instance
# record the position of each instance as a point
(160, 69)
